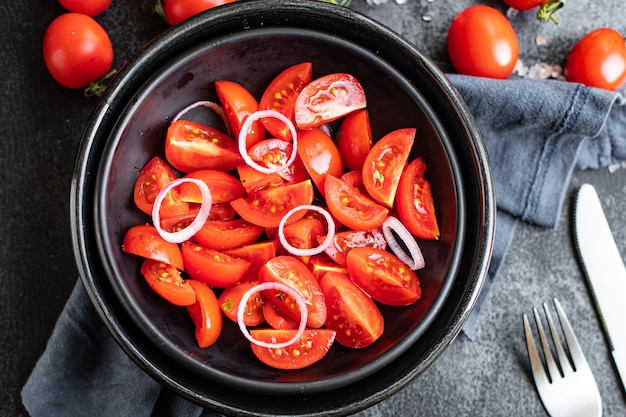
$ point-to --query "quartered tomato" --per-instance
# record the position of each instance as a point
(354, 139)
(253, 180)
(255, 253)
(351, 312)
(320, 156)
(281, 96)
(414, 201)
(383, 276)
(227, 234)
(152, 178)
(303, 234)
(211, 266)
(191, 146)
(238, 105)
(166, 281)
(224, 187)
(277, 319)
(312, 346)
(144, 240)
(321, 264)
(384, 164)
(344, 241)
(290, 271)
(267, 207)
(175, 11)
(328, 98)
(351, 208)
(206, 314)
(275, 153)
(230, 299)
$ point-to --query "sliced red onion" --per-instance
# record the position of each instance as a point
(208, 104)
(197, 223)
(307, 251)
(243, 133)
(414, 259)
(279, 287)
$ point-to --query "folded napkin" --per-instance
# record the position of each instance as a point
(536, 132)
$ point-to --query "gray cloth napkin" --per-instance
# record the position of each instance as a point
(536, 133)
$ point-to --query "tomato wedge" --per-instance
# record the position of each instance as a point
(190, 146)
(347, 240)
(312, 346)
(414, 201)
(152, 178)
(384, 164)
(211, 266)
(255, 253)
(267, 207)
(292, 272)
(224, 187)
(320, 156)
(328, 98)
(354, 139)
(227, 234)
(321, 264)
(238, 105)
(144, 240)
(274, 153)
(206, 314)
(253, 180)
(351, 312)
(230, 299)
(351, 208)
(277, 319)
(166, 281)
(383, 276)
(281, 96)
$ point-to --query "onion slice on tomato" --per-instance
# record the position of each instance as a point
(219, 110)
(245, 128)
(308, 251)
(414, 259)
(279, 286)
(197, 223)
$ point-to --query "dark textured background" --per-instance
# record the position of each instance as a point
(42, 124)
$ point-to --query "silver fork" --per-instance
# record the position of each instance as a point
(567, 387)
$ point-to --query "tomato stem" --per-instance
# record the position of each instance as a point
(547, 10)
(97, 88)
(158, 9)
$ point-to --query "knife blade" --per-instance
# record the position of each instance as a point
(604, 270)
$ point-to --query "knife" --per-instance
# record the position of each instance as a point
(604, 270)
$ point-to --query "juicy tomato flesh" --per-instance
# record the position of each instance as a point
(206, 314)
(320, 156)
(211, 266)
(143, 240)
(310, 348)
(277, 319)
(224, 187)
(344, 241)
(227, 234)
(354, 139)
(321, 264)
(152, 178)
(238, 105)
(230, 299)
(166, 281)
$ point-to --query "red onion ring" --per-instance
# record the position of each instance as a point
(197, 223)
(309, 251)
(270, 285)
(414, 259)
(243, 133)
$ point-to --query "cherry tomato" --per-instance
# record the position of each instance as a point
(175, 11)
(328, 98)
(312, 346)
(598, 59)
(344, 241)
(144, 240)
(206, 314)
(211, 266)
(166, 281)
(77, 50)
(320, 156)
(384, 164)
(90, 8)
(482, 42)
(415, 204)
(238, 105)
(290, 271)
(277, 319)
(383, 276)
(191, 146)
(155, 175)
(267, 207)
(274, 153)
(351, 312)
(227, 234)
(281, 96)
(351, 208)
(545, 12)
(230, 299)
(224, 187)
(354, 139)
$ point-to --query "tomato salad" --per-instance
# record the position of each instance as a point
(278, 226)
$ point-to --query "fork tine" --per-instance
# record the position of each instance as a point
(553, 370)
(572, 342)
(564, 362)
(536, 367)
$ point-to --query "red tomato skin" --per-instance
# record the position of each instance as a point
(598, 59)
(90, 8)
(482, 42)
(351, 312)
(354, 139)
(414, 202)
(257, 254)
(230, 299)
(277, 319)
(313, 345)
(238, 105)
(144, 240)
(320, 156)
(155, 175)
(77, 50)
(227, 234)
(166, 281)
(523, 4)
(206, 314)
(321, 264)
(176, 11)
(212, 267)
(224, 187)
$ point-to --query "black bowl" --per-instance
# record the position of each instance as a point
(251, 42)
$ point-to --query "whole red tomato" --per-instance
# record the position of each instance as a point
(545, 12)
(482, 42)
(598, 59)
(77, 50)
(90, 8)
(175, 11)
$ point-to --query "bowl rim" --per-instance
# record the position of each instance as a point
(229, 18)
